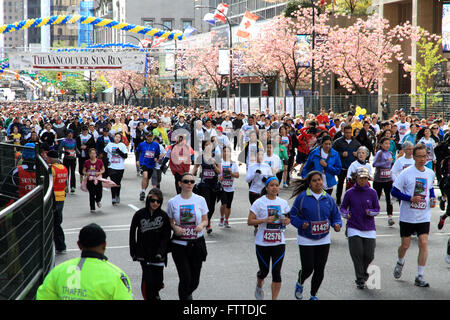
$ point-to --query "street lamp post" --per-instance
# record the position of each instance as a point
(313, 73)
(230, 46)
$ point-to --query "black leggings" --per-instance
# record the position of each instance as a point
(207, 191)
(70, 164)
(188, 260)
(116, 176)
(264, 255)
(95, 193)
(313, 259)
(152, 281)
(386, 187)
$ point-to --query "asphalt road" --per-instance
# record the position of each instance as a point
(230, 270)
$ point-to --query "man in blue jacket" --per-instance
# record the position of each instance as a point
(148, 154)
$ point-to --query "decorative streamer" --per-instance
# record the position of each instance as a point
(97, 22)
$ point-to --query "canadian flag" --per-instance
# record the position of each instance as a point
(221, 12)
(146, 42)
(247, 23)
(158, 41)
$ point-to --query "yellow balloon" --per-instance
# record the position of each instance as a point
(358, 109)
(363, 111)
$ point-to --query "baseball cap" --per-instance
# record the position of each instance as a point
(362, 173)
(219, 128)
(52, 154)
(91, 236)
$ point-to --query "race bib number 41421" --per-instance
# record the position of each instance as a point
(320, 227)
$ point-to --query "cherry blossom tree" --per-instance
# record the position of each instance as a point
(361, 54)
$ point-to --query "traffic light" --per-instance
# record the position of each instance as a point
(93, 89)
(17, 76)
(58, 76)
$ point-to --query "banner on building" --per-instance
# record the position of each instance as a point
(132, 61)
(303, 50)
(224, 62)
(446, 27)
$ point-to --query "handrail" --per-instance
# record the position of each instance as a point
(20, 202)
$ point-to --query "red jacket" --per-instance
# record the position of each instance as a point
(305, 141)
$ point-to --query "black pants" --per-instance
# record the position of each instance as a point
(267, 253)
(340, 185)
(70, 164)
(152, 281)
(58, 233)
(188, 260)
(289, 167)
(447, 193)
(386, 187)
(116, 176)
(207, 191)
(313, 259)
(252, 197)
(95, 193)
(362, 251)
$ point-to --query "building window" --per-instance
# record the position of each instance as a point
(167, 24)
(187, 24)
(147, 23)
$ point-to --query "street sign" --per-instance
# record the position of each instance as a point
(144, 90)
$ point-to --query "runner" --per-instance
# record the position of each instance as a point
(209, 186)
(148, 152)
(312, 213)
(188, 215)
(383, 175)
(92, 169)
(359, 207)
(68, 147)
(117, 153)
(230, 171)
(361, 161)
(404, 161)
(149, 241)
(414, 187)
(271, 214)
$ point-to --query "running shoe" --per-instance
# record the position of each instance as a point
(298, 291)
(360, 285)
(398, 270)
(99, 204)
(221, 222)
(313, 298)
(441, 222)
(117, 199)
(142, 196)
(72, 190)
(208, 229)
(441, 203)
(420, 282)
(285, 185)
(259, 293)
(93, 211)
(447, 258)
(391, 222)
(227, 224)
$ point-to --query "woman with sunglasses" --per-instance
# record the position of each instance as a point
(149, 240)
(271, 214)
(188, 214)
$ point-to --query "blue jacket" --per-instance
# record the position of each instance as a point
(307, 209)
(331, 171)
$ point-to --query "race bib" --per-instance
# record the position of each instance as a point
(115, 159)
(319, 227)
(71, 153)
(189, 233)
(188, 221)
(272, 236)
(208, 173)
(385, 173)
(227, 183)
(149, 154)
(421, 205)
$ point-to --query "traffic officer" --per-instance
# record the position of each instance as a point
(90, 277)
(60, 175)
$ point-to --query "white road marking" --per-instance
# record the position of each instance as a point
(133, 207)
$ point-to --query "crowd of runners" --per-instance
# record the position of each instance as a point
(336, 165)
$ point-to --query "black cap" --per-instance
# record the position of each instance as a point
(91, 236)
(52, 154)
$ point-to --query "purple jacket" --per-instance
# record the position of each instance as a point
(382, 166)
(356, 201)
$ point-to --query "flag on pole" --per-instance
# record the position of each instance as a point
(145, 43)
(188, 31)
(209, 17)
(246, 26)
(221, 12)
(158, 41)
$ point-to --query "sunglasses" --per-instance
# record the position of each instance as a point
(188, 181)
(155, 200)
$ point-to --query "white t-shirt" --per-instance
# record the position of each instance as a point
(133, 124)
(429, 144)
(414, 182)
(255, 179)
(187, 214)
(355, 165)
(269, 234)
(401, 164)
(246, 130)
(403, 129)
(228, 181)
(116, 162)
(227, 126)
(252, 153)
(273, 161)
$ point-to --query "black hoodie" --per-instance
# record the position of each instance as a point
(150, 235)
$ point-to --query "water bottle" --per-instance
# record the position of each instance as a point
(283, 226)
